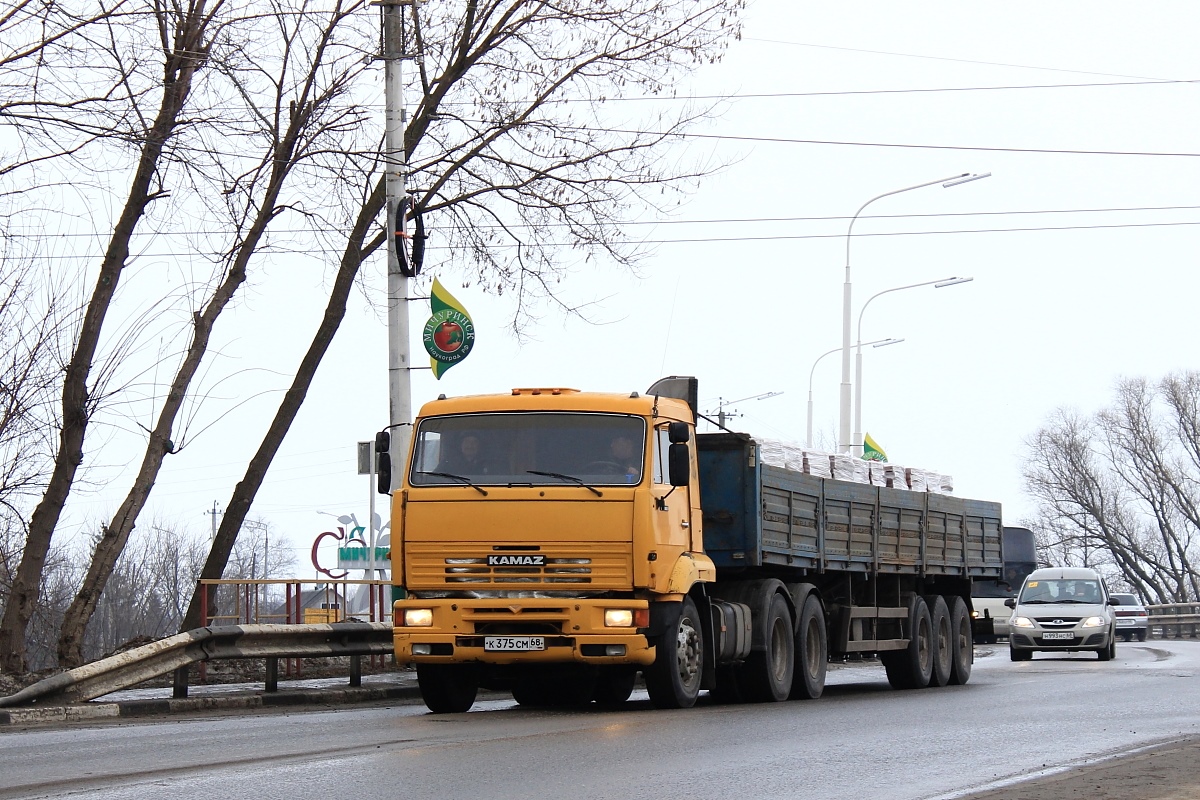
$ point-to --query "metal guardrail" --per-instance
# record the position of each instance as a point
(1174, 620)
(176, 653)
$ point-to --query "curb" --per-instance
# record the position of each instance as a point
(92, 711)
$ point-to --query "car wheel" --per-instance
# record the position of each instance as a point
(1142, 635)
(1109, 652)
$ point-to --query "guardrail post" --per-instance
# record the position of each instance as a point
(356, 670)
(179, 684)
(272, 675)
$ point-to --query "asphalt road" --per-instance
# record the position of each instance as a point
(862, 740)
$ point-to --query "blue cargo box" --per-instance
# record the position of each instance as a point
(759, 515)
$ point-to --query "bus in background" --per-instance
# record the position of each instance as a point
(990, 616)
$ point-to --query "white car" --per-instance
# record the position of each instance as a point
(1133, 620)
(1063, 609)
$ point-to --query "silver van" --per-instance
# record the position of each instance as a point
(1064, 609)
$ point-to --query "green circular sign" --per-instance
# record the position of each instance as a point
(449, 336)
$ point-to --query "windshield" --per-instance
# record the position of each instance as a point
(529, 448)
(1061, 591)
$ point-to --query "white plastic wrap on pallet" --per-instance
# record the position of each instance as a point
(939, 483)
(849, 468)
(878, 473)
(770, 451)
(817, 463)
(916, 479)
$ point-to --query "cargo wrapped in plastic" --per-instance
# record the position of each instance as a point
(770, 451)
(817, 463)
(849, 468)
(916, 479)
(878, 473)
(939, 483)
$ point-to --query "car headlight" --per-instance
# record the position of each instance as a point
(418, 617)
(1094, 622)
(1021, 622)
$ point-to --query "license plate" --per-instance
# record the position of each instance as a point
(511, 643)
(1057, 635)
(1123, 622)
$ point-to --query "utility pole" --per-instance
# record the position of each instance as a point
(214, 514)
(400, 268)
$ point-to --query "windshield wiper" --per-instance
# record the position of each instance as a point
(591, 489)
(467, 481)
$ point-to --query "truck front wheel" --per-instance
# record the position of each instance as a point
(673, 680)
(448, 688)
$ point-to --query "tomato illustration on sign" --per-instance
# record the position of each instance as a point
(448, 336)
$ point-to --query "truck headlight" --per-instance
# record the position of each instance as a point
(618, 617)
(1021, 622)
(418, 617)
(1094, 622)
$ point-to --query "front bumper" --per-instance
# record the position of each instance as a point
(1081, 639)
(572, 631)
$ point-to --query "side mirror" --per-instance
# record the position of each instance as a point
(679, 463)
(383, 462)
(1112, 601)
(678, 432)
(1011, 602)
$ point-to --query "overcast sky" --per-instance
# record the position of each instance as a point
(1082, 246)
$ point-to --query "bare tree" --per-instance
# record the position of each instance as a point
(302, 120)
(185, 36)
(518, 159)
(1119, 489)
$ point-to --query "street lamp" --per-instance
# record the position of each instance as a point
(844, 399)
(857, 442)
(876, 343)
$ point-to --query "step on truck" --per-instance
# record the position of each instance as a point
(555, 544)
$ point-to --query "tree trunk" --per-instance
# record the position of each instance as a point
(246, 489)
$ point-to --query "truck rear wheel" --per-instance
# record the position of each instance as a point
(912, 667)
(766, 677)
(964, 649)
(448, 688)
(812, 652)
(943, 638)
(673, 680)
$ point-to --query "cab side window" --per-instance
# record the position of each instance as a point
(662, 444)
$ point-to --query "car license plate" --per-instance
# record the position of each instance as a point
(511, 643)
(1124, 622)
(1057, 635)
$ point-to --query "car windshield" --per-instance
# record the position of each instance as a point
(1061, 591)
(529, 449)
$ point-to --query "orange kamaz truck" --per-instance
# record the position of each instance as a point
(556, 543)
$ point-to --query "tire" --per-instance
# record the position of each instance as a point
(1019, 655)
(1141, 636)
(673, 680)
(912, 667)
(448, 688)
(811, 661)
(943, 649)
(1110, 652)
(613, 686)
(766, 677)
(963, 649)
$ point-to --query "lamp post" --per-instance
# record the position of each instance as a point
(876, 343)
(844, 398)
(857, 441)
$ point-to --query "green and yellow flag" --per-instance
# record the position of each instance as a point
(871, 449)
(449, 334)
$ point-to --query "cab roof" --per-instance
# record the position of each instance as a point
(558, 399)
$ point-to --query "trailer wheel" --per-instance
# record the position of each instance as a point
(673, 680)
(812, 652)
(766, 677)
(614, 685)
(448, 688)
(912, 667)
(964, 650)
(943, 640)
